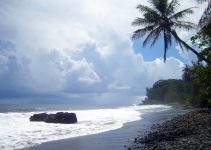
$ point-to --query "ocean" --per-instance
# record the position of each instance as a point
(17, 132)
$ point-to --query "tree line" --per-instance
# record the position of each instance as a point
(195, 86)
(162, 20)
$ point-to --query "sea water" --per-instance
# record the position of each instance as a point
(17, 132)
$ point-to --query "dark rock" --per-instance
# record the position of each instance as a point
(39, 117)
(59, 117)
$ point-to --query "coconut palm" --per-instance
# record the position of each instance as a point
(160, 20)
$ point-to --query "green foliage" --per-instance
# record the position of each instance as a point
(166, 91)
(195, 86)
(198, 79)
(203, 38)
(193, 89)
(201, 81)
(203, 43)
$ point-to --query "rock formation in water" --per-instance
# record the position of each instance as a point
(60, 117)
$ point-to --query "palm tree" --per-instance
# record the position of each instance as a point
(160, 20)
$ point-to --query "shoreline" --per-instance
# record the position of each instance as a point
(187, 131)
(114, 139)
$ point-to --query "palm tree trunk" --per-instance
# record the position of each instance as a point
(190, 48)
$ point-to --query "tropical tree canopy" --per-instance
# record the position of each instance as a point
(162, 20)
(195, 87)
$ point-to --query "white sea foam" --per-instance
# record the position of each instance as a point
(16, 131)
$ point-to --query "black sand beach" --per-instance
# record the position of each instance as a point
(190, 131)
(113, 140)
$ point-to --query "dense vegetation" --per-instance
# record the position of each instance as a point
(161, 19)
(166, 91)
(195, 86)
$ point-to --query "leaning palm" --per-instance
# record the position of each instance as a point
(162, 21)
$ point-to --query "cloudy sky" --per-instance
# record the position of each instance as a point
(70, 47)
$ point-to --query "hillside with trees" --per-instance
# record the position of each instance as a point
(195, 86)
(166, 91)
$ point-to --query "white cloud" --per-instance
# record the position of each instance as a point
(77, 47)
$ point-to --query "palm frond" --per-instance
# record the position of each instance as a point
(185, 25)
(153, 35)
(142, 32)
(141, 21)
(156, 36)
(152, 18)
(160, 6)
(178, 40)
(182, 14)
(172, 7)
(181, 46)
(144, 9)
(149, 14)
(147, 10)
